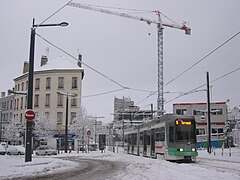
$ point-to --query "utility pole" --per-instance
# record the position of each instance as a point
(209, 116)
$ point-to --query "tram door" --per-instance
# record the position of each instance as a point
(132, 143)
(145, 143)
(129, 142)
(152, 142)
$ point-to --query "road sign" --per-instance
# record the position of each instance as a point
(29, 114)
(88, 132)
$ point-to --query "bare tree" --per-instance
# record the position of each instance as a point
(43, 125)
(12, 131)
(81, 123)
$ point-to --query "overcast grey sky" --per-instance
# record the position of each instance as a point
(126, 50)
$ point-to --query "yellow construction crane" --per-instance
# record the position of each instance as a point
(160, 26)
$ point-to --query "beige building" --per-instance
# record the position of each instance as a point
(198, 110)
(52, 76)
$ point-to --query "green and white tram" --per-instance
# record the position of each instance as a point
(170, 137)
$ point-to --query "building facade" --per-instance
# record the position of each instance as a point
(7, 111)
(198, 110)
(58, 75)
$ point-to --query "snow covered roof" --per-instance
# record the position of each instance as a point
(58, 63)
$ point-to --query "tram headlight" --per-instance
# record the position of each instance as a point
(181, 149)
(193, 149)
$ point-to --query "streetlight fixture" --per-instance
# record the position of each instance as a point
(66, 123)
(28, 145)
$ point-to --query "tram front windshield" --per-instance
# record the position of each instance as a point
(185, 131)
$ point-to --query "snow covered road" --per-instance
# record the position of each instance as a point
(207, 167)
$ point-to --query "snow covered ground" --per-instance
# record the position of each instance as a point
(224, 165)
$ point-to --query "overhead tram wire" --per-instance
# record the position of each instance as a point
(210, 53)
(55, 12)
(128, 9)
(98, 72)
(60, 49)
(213, 81)
(104, 93)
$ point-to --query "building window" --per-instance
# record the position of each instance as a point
(74, 82)
(11, 104)
(37, 83)
(36, 100)
(22, 86)
(59, 118)
(21, 102)
(198, 113)
(17, 103)
(181, 111)
(25, 101)
(73, 102)
(26, 86)
(60, 100)
(48, 83)
(200, 131)
(60, 82)
(73, 116)
(21, 118)
(47, 100)
(217, 112)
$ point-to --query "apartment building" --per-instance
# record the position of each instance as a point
(52, 76)
(6, 110)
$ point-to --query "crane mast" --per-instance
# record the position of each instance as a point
(160, 25)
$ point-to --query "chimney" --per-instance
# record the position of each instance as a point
(44, 60)
(79, 60)
(25, 67)
(2, 94)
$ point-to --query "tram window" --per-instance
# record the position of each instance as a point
(135, 139)
(186, 133)
(162, 134)
(141, 139)
(182, 135)
(171, 134)
(125, 138)
(148, 138)
(157, 138)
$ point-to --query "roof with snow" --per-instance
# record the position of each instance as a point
(58, 63)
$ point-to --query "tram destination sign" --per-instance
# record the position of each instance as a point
(183, 122)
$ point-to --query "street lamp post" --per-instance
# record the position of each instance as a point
(66, 123)
(28, 144)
